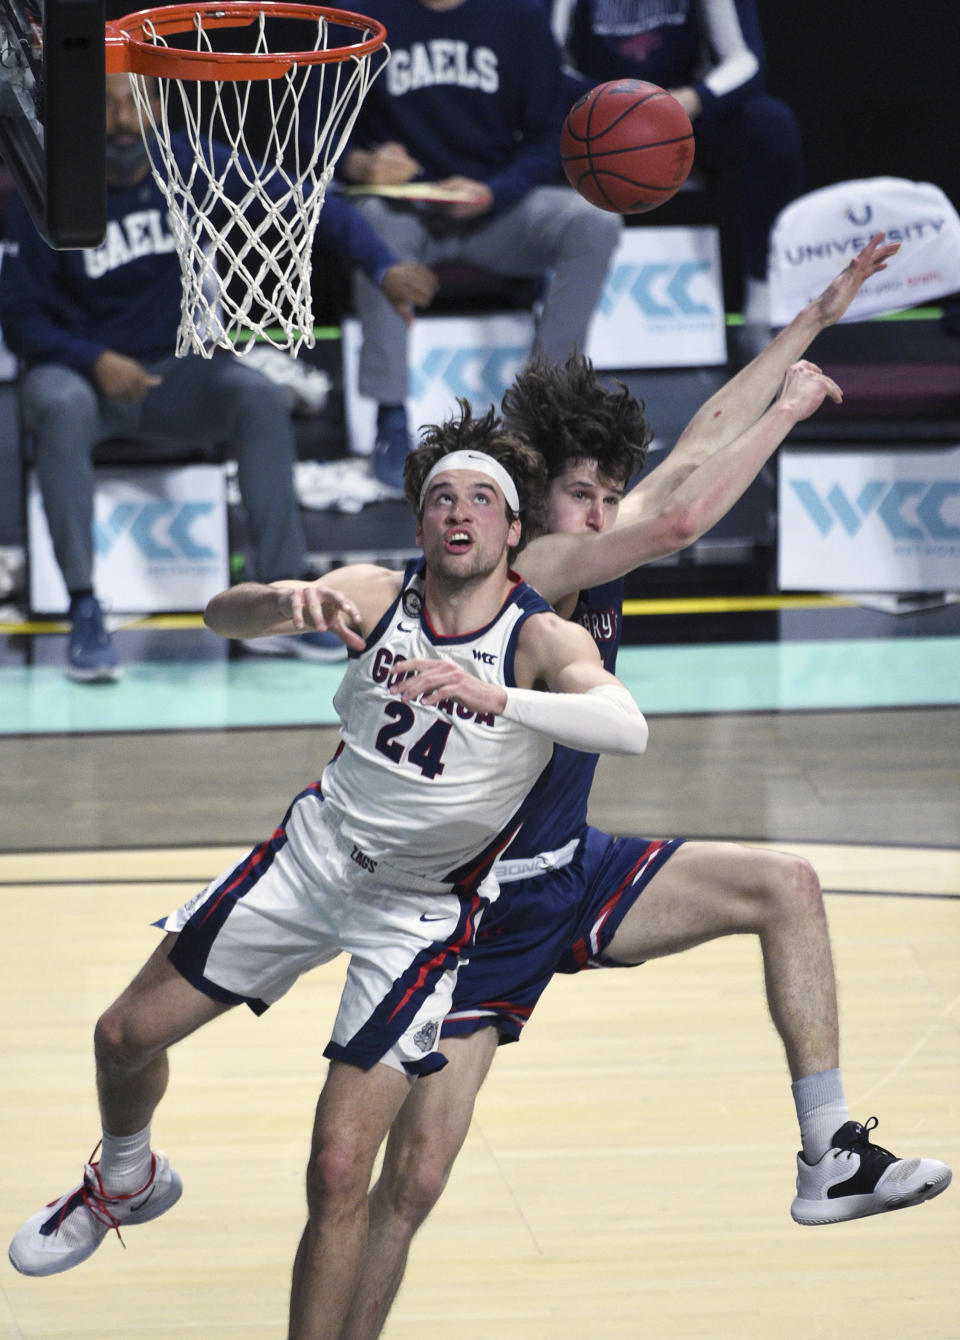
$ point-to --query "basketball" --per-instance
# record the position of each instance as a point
(627, 146)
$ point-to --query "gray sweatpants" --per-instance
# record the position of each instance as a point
(551, 229)
(219, 398)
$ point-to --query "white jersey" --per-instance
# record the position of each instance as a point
(436, 792)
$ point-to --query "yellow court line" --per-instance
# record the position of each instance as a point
(674, 605)
(166, 622)
(734, 604)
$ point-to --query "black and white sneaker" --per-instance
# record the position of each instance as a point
(856, 1178)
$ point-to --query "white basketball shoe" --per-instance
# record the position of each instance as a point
(70, 1229)
(856, 1178)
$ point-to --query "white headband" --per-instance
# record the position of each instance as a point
(482, 464)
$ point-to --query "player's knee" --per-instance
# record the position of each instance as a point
(414, 1189)
(117, 1043)
(795, 887)
(337, 1177)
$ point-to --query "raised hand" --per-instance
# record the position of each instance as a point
(837, 297)
(804, 389)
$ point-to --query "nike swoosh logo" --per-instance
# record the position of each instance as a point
(140, 1204)
(433, 916)
(405, 628)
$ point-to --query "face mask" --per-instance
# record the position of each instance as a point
(126, 160)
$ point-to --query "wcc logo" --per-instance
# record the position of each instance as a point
(663, 290)
(478, 373)
(161, 531)
(914, 510)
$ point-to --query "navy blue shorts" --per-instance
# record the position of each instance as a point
(560, 921)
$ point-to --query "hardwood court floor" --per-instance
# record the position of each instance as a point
(631, 1164)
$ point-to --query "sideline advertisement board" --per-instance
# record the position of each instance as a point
(475, 357)
(869, 520)
(160, 541)
(662, 304)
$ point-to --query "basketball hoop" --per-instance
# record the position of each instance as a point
(243, 214)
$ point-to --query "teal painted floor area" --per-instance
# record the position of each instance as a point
(794, 676)
(170, 695)
(729, 677)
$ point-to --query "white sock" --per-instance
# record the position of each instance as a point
(756, 302)
(125, 1161)
(821, 1111)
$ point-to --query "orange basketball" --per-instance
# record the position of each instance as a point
(627, 146)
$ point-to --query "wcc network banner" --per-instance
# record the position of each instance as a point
(869, 521)
(662, 303)
(470, 357)
(160, 541)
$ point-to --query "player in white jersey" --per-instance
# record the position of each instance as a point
(431, 815)
(468, 739)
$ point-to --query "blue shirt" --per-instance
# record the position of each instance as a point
(664, 42)
(68, 306)
(473, 92)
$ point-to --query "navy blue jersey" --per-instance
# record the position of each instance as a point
(672, 43)
(473, 91)
(561, 812)
(67, 307)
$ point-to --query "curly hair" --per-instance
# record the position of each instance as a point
(463, 432)
(569, 415)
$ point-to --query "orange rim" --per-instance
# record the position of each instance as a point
(129, 50)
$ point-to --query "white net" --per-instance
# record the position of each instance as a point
(244, 192)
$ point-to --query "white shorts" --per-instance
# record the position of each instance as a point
(303, 897)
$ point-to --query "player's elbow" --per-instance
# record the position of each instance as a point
(632, 729)
(635, 736)
(683, 525)
(221, 614)
(213, 615)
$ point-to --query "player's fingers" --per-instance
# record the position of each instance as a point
(401, 667)
(312, 605)
(342, 621)
(294, 600)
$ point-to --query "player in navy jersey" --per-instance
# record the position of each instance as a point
(573, 897)
(446, 747)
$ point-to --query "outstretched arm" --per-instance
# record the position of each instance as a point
(560, 565)
(348, 602)
(583, 707)
(741, 401)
